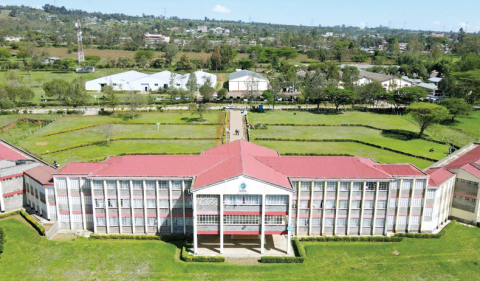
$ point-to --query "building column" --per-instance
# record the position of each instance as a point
(47, 204)
(221, 223)
(375, 202)
(337, 201)
(69, 199)
(262, 234)
(289, 217)
(387, 213)
(40, 211)
(2, 204)
(90, 182)
(157, 193)
(424, 201)
(145, 218)
(349, 210)
(183, 204)
(441, 206)
(399, 197)
(297, 222)
(57, 203)
(409, 218)
(81, 183)
(107, 218)
(360, 223)
(310, 216)
(119, 205)
(132, 217)
(170, 205)
(324, 202)
(195, 237)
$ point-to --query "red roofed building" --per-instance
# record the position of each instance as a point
(242, 188)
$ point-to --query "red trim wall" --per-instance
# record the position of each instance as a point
(11, 176)
(14, 193)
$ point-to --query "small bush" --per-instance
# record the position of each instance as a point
(2, 239)
(299, 255)
(188, 258)
(40, 229)
(353, 239)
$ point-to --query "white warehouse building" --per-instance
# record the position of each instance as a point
(242, 80)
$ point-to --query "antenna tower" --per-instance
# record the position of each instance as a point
(81, 55)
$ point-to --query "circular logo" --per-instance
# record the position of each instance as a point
(243, 186)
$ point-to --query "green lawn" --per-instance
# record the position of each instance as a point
(469, 124)
(28, 256)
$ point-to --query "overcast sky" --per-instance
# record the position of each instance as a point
(439, 15)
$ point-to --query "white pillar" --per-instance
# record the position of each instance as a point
(132, 217)
(388, 206)
(81, 183)
(195, 238)
(324, 201)
(262, 234)
(69, 199)
(337, 201)
(145, 219)
(183, 204)
(297, 221)
(424, 201)
(107, 218)
(289, 233)
(157, 193)
(57, 202)
(47, 206)
(40, 211)
(360, 223)
(349, 210)
(221, 223)
(375, 202)
(310, 217)
(170, 205)
(119, 205)
(409, 218)
(399, 197)
(2, 204)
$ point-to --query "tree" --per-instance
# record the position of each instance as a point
(246, 64)
(198, 109)
(108, 131)
(12, 76)
(56, 88)
(339, 96)
(371, 93)
(112, 100)
(206, 92)
(228, 54)
(468, 86)
(184, 63)
(287, 53)
(322, 54)
(192, 84)
(457, 107)
(18, 91)
(77, 95)
(350, 77)
(216, 58)
(222, 93)
(135, 101)
(405, 96)
(171, 51)
(314, 87)
(5, 54)
(274, 86)
(142, 57)
(426, 114)
(251, 88)
(39, 80)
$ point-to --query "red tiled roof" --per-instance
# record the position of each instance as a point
(472, 156)
(42, 174)
(79, 168)
(8, 153)
(400, 169)
(472, 170)
(438, 176)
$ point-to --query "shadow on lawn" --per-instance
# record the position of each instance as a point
(191, 119)
(403, 135)
(125, 117)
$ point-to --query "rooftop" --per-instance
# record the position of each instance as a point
(244, 73)
(43, 174)
(9, 153)
(438, 176)
(375, 76)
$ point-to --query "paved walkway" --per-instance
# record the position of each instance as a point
(236, 123)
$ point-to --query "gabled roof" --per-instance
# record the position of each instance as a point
(9, 153)
(244, 73)
(375, 76)
(469, 162)
(438, 176)
(42, 174)
(400, 169)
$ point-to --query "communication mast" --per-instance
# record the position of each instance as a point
(81, 55)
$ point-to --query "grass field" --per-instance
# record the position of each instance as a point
(469, 124)
(28, 256)
(38, 143)
(394, 141)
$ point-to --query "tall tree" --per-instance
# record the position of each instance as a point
(107, 130)
(339, 96)
(405, 96)
(56, 88)
(216, 58)
(371, 93)
(206, 92)
(134, 102)
(184, 63)
(171, 51)
(457, 107)
(350, 77)
(76, 94)
(192, 84)
(228, 54)
(198, 109)
(426, 114)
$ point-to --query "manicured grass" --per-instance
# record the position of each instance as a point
(469, 124)
(28, 256)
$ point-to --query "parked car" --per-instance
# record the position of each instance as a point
(177, 98)
(230, 106)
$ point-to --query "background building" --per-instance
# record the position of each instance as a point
(247, 80)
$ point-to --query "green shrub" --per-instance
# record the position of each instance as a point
(165, 238)
(299, 255)
(9, 214)
(188, 258)
(426, 235)
(353, 239)
(40, 229)
(2, 239)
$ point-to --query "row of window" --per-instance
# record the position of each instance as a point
(139, 203)
(341, 204)
(230, 219)
(125, 184)
(465, 198)
(358, 186)
(467, 182)
(140, 221)
(355, 222)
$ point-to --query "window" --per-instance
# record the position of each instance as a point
(371, 185)
(380, 222)
(151, 221)
(407, 184)
(77, 200)
(150, 185)
(428, 212)
(391, 220)
(368, 204)
(393, 202)
(165, 221)
(151, 203)
(405, 202)
(164, 203)
(156, 84)
(243, 200)
(303, 222)
(188, 203)
(277, 200)
(125, 184)
(331, 186)
(97, 184)
(187, 184)
(317, 204)
(341, 222)
(330, 204)
(419, 184)
(402, 220)
(88, 200)
(357, 186)
(295, 185)
(177, 203)
(77, 218)
(305, 186)
(274, 220)
(111, 184)
(356, 204)
(329, 222)
(64, 218)
(344, 186)
(138, 203)
(394, 184)
(367, 223)
(316, 221)
(355, 222)
(163, 184)
(415, 220)
(139, 221)
(318, 186)
(89, 218)
(382, 204)
(383, 186)
(304, 204)
(112, 203)
(208, 219)
(343, 204)
(99, 203)
(113, 221)
(137, 184)
(417, 202)
(246, 219)
(101, 221)
(176, 185)
(127, 221)
(125, 203)
(430, 193)
(189, 221)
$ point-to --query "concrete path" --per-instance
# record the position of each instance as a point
(236, 123)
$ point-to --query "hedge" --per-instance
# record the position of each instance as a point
(9, 214)
(299, 255)
(189, 258)
(352, 239)
(425, 235)
(317, 154)
(2, 239)
(164, 238)
(349, 140)
(33, 222)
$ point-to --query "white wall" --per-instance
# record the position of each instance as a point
(240, 84)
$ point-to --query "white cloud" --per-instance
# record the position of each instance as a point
(436, 22)
(362, 25)
(221, 9)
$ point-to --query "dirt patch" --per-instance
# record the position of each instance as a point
(42, 143)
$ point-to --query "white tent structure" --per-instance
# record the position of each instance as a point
(120, 81)
(241, 80)
(137, 81)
